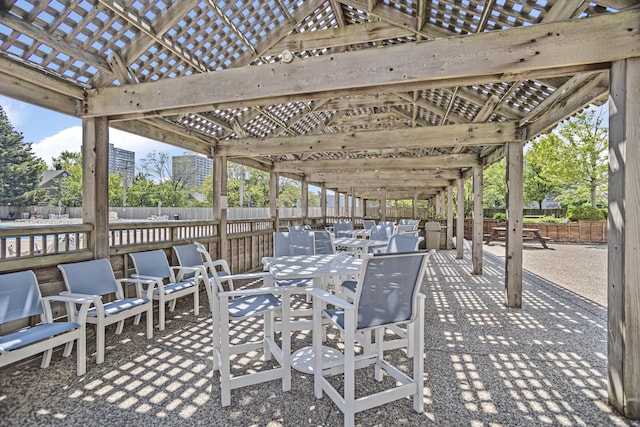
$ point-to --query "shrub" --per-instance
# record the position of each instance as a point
(585, 212)
(500, 216)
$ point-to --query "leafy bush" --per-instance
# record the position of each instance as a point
(500, 216)
(605, 213)
(585, 212)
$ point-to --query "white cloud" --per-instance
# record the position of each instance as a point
(70, 139)
(17, 112)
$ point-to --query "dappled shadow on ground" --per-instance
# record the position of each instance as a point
(544, 364)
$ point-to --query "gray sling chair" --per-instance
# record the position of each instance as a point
(94, 279)
(387, 295)
(168, 281)
(20, 299)
(243, 306)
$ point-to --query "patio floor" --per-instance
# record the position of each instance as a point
(544, 364)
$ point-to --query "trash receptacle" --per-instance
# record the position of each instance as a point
(432, 235)
(176, 217)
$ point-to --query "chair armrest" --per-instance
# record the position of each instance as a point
(144, 280)
(330, 299)
(70, 301)
(259, 291)
(180, 270)
(265, 276)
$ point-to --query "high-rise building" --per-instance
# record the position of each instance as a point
(122, 162)
(191, 169)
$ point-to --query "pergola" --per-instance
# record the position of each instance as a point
(380, 99)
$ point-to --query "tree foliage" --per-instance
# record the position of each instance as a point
(573, 160)
(21, 170)
(495, 185)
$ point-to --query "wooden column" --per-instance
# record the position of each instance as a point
(336, 198)
(95, 183)
(304, 199)
(478, 221)
(414, 207)
(460, 218)
(449, 216)
(383, 204)
(323, 203)
(353, 205)
(221, 202)
(513, 251)
(624, 233)
(274, 199)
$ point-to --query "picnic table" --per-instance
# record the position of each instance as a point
(499, 233)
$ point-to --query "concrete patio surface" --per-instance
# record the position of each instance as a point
(486, 365)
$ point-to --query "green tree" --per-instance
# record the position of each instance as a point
(574, 159)
(495, 185)
(71, 186)
(21, 169)
(537, 185)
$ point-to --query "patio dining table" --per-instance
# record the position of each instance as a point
(321, 268)
(355, 244)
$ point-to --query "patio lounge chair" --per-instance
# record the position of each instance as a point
(168, 281)
(20, 298)
(95, 279)
(397, 277)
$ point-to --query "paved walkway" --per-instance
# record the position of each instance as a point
(581, 268)
(542, 365)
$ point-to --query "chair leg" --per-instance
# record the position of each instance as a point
(161, 315)
(349, 369)
(68, 347)
(100, 343)
(225, 369)
(46, 358)
(119, 327)
(81, 354)
(196, 301)
(149, 323)
(269, 327)
(172, 304)
(418, 356)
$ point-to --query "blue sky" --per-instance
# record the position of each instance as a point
(52, 133)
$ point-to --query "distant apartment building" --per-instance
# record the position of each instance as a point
(191, 169)
(122, 162)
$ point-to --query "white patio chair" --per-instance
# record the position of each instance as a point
(95, 280)
(368, 224)
(298, 227)
(323, 243)
(233, 305)
(293, 243)
(387, 295)
(20, 298)
(341, 226)
(168, 281)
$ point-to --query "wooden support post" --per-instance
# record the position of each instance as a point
(323, 203)
(449, 216)
(274, 199)
(460, 219)
(414, 207)
(221, 202)
(383, 204)
(478, 221)
(95, 183)
(513, 251)
(623, 304)
(304, 199)
(353, 205)
(336, 198)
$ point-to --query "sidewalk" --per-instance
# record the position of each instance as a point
(580, 268)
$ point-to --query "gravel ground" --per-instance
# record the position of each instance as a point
(580, 268)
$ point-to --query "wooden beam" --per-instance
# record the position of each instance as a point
(390, 163)
(335, 37)
(566, 104)
(516, 54)
(361, 176)
(421, 137)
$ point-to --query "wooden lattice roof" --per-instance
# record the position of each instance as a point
(405, 94)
